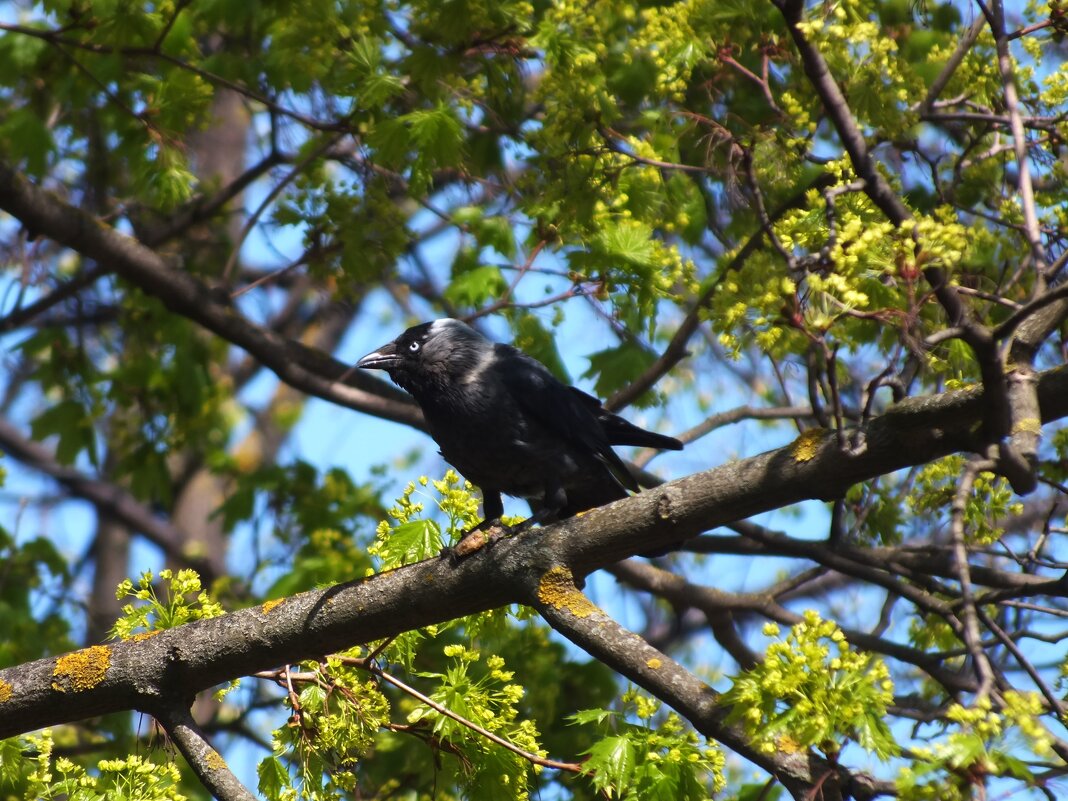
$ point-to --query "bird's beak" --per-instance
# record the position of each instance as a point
(381, 359)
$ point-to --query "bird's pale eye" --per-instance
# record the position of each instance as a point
(414, 347)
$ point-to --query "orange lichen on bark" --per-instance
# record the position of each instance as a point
(557, 589)
(81, 670)
(267, 606)
(5, 691)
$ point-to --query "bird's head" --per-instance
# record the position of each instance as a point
(431, 355)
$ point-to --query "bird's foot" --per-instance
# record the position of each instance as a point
(481, 536)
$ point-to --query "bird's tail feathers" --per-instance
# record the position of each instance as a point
(622, 432)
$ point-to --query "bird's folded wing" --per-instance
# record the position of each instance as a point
(569, 413)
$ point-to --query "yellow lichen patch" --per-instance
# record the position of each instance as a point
(5, 691)
(81, 670)
(1027, 425)
(788, 745)
(653, 664)
(215, 761)
(557, 589)
(145, 635)
(806, 446)
(267, 606)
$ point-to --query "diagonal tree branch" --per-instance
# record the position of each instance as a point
(304, 368)
(205, 761)
(109, 498)
(570, 613)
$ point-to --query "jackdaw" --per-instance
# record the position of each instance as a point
(508, 426)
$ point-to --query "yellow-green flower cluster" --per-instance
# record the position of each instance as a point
(672, 42)
(128, 779)
(865, 60)
(489, 700)
(1056, 83)
(754, 302)
(981, 742)
(812, 690)
(457, 500)
(337, 717)
(943, 239)
(798, 112)
(991, 500)
(184, 601)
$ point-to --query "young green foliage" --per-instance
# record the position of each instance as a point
(29, 767)
(812, 690)
(183, 601)
(991, 499)
(337, 715)
(644, 753)
(979, 742)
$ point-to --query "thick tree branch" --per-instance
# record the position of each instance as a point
(205, 761)
(304, 368)
(568, 611)
(109, 498)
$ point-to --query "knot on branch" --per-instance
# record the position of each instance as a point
(667, 505)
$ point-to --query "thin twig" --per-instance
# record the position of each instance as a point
(324, 146)
(571, 767)
(969, 616)
(1019, 138)
(940, 81)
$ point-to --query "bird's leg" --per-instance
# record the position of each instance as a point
(492, 509)
(548, 511)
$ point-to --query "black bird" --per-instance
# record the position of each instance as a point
(502, 419)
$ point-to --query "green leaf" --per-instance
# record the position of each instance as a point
(496, 233)
(67, 420)
(312, 698)
(390, 141)
(584, 716)
(611, 763)
(474, 287)
(273, 777)
(437, 133)
(629, 241)
(614, 368)
(28, 139)
(413, 542)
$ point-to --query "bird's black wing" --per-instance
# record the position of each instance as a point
(558, 408)
(619, 431)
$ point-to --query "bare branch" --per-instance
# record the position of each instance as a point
(970, 619)
(206, 762)
(109, 498)
(302, 367)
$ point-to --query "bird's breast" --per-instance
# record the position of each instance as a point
(495, 445)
